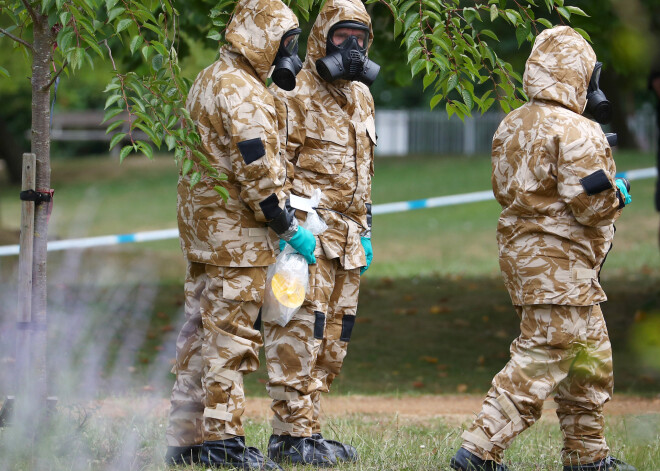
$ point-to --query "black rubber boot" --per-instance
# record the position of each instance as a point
(177, 455)
(607, 464)
(233, 453)
(300, 450)
(463, 460)
(342, 451)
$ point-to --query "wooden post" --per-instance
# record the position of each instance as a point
(24, 317)
(25, 260)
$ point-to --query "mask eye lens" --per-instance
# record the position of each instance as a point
(595, 76)
(290, 42)
(341, 35)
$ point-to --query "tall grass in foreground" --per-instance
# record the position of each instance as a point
(79, 441)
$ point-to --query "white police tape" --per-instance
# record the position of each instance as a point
(386, 208)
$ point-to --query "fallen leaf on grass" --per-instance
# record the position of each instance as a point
(362, 320)
(461, 388)
(429, 359)
(439, 309)
(418, 384)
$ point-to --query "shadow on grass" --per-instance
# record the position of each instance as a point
(416, 335)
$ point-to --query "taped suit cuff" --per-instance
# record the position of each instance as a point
(290, 232)
(283, 221)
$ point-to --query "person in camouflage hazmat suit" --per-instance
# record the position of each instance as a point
(554, 176)
(331, 144)
(228, 245)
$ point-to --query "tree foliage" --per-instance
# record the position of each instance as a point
(449, 44)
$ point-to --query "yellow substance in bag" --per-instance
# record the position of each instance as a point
(288, 292)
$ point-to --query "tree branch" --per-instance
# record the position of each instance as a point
(17, 39)
(31, 11)
(57, 74)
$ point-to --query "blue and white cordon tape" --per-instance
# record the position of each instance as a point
(385, 208)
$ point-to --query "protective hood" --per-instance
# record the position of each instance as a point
(559, 68)
(256, 29)
(333, 12)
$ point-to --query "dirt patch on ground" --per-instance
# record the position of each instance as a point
(454, 408)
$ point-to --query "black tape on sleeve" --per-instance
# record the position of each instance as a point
(251, 150)
(368, 205)
(270, 207)
(347, 323)
(596, 183)
(279, 219)
(319, 325)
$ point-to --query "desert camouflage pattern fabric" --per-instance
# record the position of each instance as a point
(553, 237)
(218, 344)
(228, 245)
(230, 104)
(561, 349)
(332, 135)
(305, 356)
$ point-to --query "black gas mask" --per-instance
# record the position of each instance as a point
(287, 63)
(346, 54)
(598, 107)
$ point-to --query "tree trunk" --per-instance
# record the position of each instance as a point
(41, 76)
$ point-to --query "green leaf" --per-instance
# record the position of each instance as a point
(417, 66)
(123, 24)
(111, 114)
(195, 178)
(222, 191)
(146, 52)
(124, 152)
(576, 11)
(489, 33)
(146, 149)
(584, 34)
(136, 42)
(398, 27)
(429, 79)
(467, 98)
(114, 13)
(170, 140)
(493, 17)
(414, 53)
(435, 100)
(564, 12)
(114, 125)
(410, 19)
(545, 22)
(186, 167)
(116, 139)
(215, 35)
(4, 72)
(452, 82)
(451, 109)
(112, 100)
(157, 62)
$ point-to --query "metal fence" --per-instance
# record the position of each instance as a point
(402, 132)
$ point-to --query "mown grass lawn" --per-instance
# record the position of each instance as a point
(434, 317)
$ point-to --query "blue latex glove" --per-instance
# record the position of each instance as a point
(368, 251)
(304, 242)
(621, 184)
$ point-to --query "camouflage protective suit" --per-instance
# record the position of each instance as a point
(228, 245)
(553, 175)
(331, 144)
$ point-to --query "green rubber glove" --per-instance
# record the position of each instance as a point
(624, 189)
(304, 242)
(368, 251)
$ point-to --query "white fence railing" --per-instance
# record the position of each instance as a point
(402, 132)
